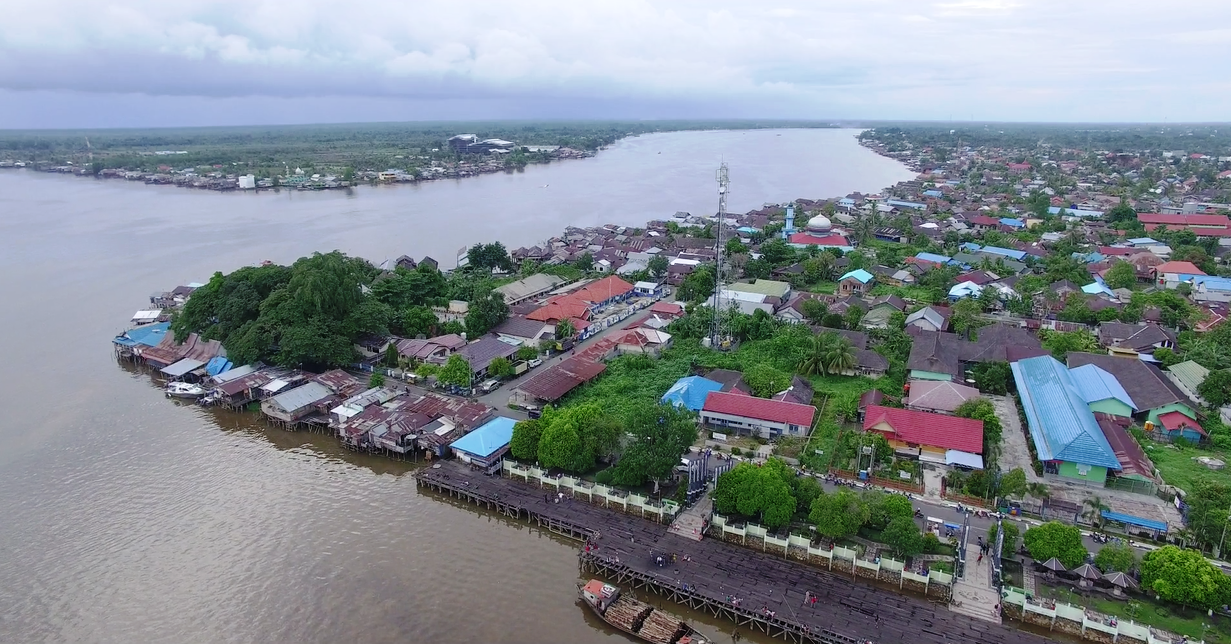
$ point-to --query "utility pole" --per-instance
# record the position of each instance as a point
(716, 331)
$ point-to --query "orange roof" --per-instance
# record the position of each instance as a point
(561, 310)
(1187, 268)
(603, 290)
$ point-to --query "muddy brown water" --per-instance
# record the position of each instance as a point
(127, 517)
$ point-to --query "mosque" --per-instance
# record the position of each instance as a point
(817, 232)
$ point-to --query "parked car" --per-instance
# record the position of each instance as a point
(489, 386)
(535, 363)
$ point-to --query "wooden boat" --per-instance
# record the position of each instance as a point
(638, 619)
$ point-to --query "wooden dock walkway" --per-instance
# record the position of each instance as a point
(707, 574)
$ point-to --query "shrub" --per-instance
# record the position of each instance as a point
(735, 451)
(604, 477)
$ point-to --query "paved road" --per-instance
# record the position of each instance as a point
(499, 398)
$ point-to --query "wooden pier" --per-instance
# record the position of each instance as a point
(708, 575)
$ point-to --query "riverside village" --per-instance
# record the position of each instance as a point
(989, 404)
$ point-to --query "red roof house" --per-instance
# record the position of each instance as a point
(1152, 220)
(1177, 268)
(760, 416)
(931, 433)
(602, 291)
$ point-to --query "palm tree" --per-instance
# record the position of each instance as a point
(565, 329)
(818, 348)
(1095, 511)
(841, 355)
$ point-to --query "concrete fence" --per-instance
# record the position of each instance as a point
(1074, 621)
(837, 559)
(600, 495)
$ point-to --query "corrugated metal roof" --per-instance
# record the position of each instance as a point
(1095, 384)
(182, 367)
(1060, 422)
(302, 396)
(489, 438)
(1189, 373)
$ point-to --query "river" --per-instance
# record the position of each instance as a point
(125, 517)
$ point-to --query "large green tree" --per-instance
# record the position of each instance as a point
(903, 536)
(1055, 539)
(1116, 557)
(456, 371)
(1121, 275)
(1207, 510)
(838, 514)
(486, 312)
(1184, 577)
(1216, 388)
(524, 445)
(659, 435)
(575, 438)
(765, 492)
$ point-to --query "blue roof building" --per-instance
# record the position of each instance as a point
(1011, 253)
(932, 257)
(898, 203)
(1065, 434)
(690, 392)
(149, 335)
(859, 274)
(748, 230)
(486, 446)
(933, 193)
(1097, 287)
(1013, 223)
(964, 289)
(1142, 241)
(1101, 391)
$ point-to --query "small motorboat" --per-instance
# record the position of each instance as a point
(184, 390)
(638, 619)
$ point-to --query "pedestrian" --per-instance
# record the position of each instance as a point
(980, 559)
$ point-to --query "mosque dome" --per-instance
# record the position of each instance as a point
(820, 223)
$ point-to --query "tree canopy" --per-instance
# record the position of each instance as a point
(903, 536)
(308, 314)
(1055, 539)
(765, 492)
(838, 514)
(1184, 577)
(572, 439)
(1116, 557)
(659, 435)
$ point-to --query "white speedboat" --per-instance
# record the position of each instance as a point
(184, 390)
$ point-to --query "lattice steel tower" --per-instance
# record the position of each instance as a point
(716, 326)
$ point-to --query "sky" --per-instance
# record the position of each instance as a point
(142, 63)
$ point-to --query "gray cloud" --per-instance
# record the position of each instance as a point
(986, 59)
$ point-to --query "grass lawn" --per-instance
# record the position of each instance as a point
(1180, 621)
(1180, 468)
(824, 287)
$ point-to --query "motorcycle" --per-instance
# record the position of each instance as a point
(918, 514)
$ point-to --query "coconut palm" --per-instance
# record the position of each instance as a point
(565, 329)
(1095, 511)
(814, 360)
(840, 355)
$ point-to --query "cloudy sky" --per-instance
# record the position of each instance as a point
(120, 63)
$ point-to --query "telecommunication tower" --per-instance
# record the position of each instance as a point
(716, 331)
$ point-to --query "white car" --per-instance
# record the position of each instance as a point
(535, 363)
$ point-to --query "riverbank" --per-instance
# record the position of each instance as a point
(714, 571)
(208, 179)
(131, 518)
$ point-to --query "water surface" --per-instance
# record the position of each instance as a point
(125, 517)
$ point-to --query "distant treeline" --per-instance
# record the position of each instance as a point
(1211, 139)
(369, 146)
